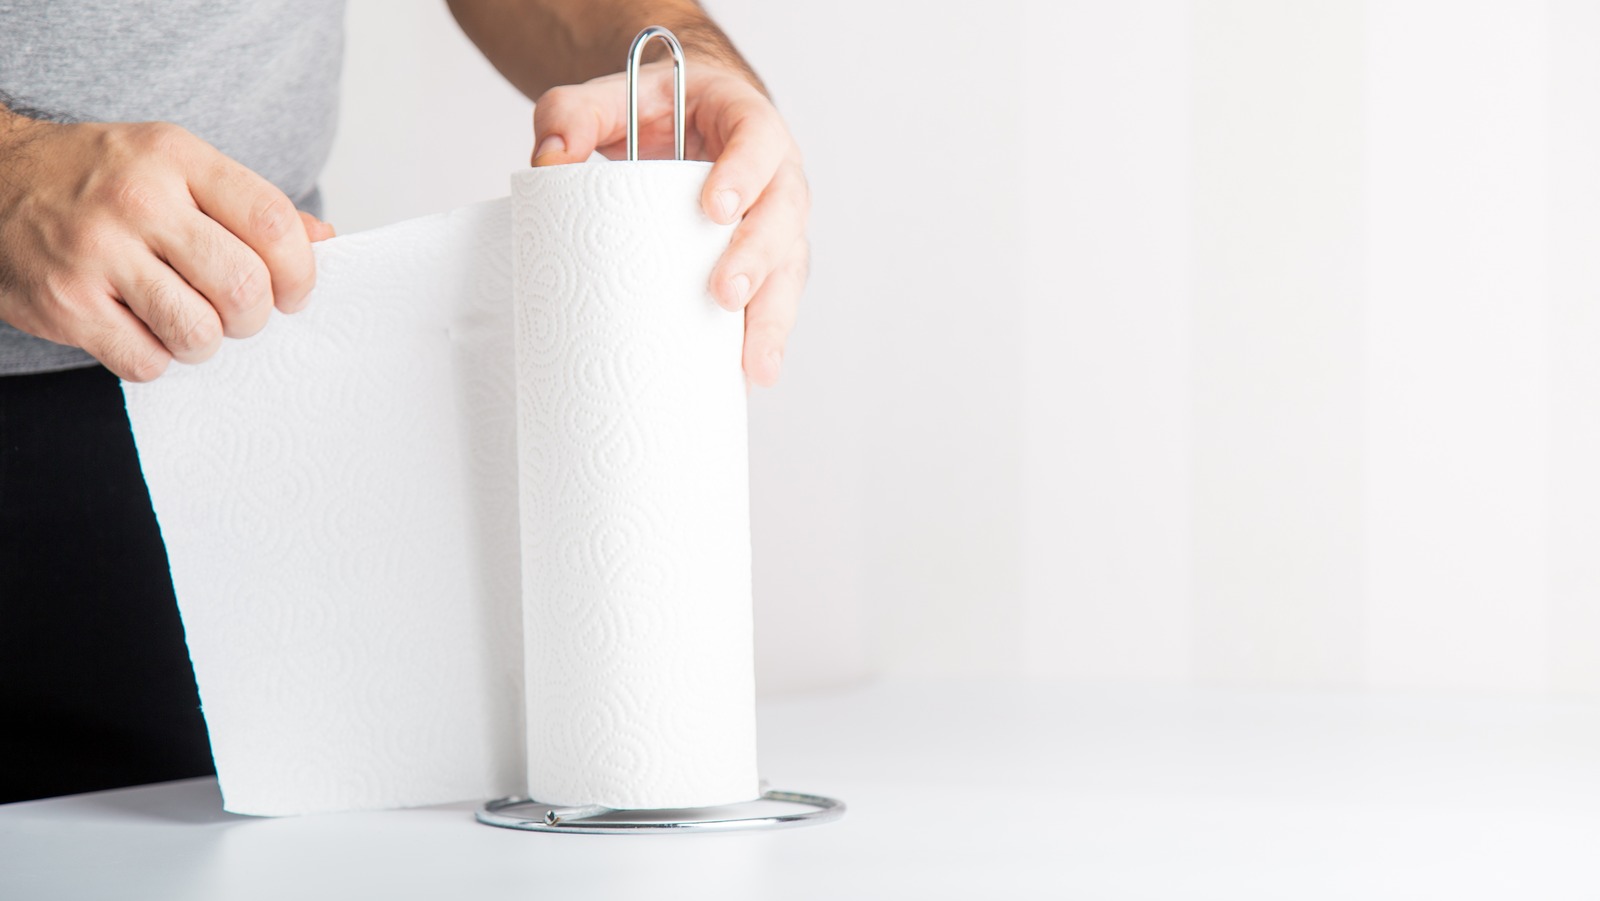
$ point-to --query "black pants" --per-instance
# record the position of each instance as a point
(96, 689)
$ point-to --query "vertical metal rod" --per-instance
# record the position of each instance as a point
(635, 56)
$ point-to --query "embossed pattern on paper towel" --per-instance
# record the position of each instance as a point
(634, 498)
(337, 498)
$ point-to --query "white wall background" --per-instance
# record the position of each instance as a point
(1236, 341)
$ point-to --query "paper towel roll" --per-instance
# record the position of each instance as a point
(633, 492)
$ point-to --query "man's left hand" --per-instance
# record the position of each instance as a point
(757, 173)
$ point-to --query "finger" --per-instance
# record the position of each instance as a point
(764, 240)
(232, 278)
(571, 122)
(183, 321)
(694, 147)
(756, 144)
(263, 218)
(316, 229)
(769, 318)
(112, 334)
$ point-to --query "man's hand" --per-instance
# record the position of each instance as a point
(141, 243)
(757, 174)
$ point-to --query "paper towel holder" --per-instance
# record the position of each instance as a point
(772, 810)
(635, 57)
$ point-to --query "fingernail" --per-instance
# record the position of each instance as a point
(774, 366)
(728, 203)
(741, 289)
(551, 144)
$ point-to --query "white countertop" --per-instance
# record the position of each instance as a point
(956, 790)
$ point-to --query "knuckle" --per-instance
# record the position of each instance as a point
(55, 307)
(126, 138)
(247, 288)
(272, 216)
(757, 118)
(554, 111)
(167, 315)
(60, 293)
(798, 206)
(753, 109)
(163, 136)
(658, 83)
(124, 150)
(135, 360)
(795, 197)
(295, 279)
(200, 332)
(141, 141)
(744, 249)
(556, 102)
(133, 197)
(161, 306)
(771, 332)
(290, 273)
(204, 339)
(94, 238)
(147, 366)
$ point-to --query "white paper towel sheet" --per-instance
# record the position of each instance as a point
(339, 499)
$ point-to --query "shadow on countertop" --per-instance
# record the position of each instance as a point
(190, 801)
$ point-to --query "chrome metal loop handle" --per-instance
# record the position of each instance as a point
(635, 55)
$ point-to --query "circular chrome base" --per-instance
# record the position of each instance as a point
(772, 810)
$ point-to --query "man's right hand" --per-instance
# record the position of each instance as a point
(141, 243)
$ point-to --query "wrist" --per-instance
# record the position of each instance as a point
(14, 131)
(705, 46)
(17, 153)
(16, 128)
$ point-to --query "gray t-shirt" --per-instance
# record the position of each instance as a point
(258, 79)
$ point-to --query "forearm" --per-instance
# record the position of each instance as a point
(539, 44)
